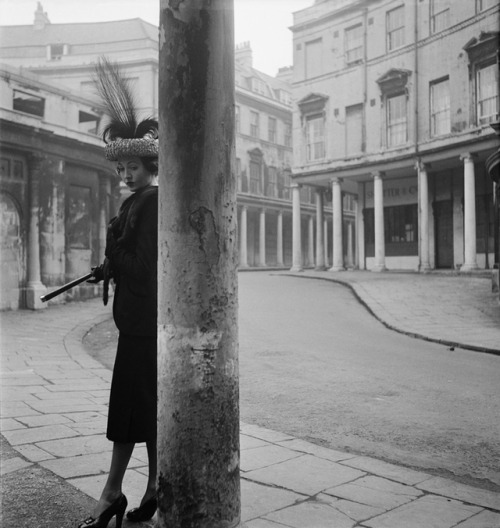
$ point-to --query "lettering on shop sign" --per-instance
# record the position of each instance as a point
(395, 192)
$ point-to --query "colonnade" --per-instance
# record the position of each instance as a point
(424, 215)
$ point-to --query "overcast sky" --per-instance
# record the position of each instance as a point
(262, 22)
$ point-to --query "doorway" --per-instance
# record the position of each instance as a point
(443, 224)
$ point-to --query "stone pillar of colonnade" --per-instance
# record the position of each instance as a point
(320, 233)
(470, 254)
(262, 238)
(279, 248)
(243, 238)
(34, 287)
(310, 241)
(360, 228)
(423, 211)
(378, 195)
(296, 229)
(338, 250)
(325, 240)
(350, 246)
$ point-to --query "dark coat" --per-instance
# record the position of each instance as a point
(132, 251)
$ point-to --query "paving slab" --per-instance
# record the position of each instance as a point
(354, 510)
(305, 474)
(312, 513)
(265, 456)
(376, 492)
(426, 512)
(258, 500)
(318, 451)
(462, 492)
(80, 445)
(38, 434)
(484, 519)
(13, 464)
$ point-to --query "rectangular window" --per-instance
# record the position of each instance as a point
(313, 57)
(288, 134)
(440, 107)
(57, 51)
(487, 93)
(283, 185)
(315, 138)
(395, 28)
(396, 120)
(354, 129)
(237, 118)
(271, 182)
(28, 103)
(254, 177)
(354, 44)
(400, 230)
(88, 122)
(271, 129)
(440, 15)
(285, 97)
(259, 86)
(254, 124)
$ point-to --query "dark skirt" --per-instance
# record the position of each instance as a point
(133, 400)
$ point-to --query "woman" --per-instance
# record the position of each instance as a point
(131, 261)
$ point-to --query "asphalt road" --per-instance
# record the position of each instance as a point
(315, 364)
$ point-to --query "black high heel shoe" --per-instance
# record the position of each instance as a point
(144, 512)
(117, 508)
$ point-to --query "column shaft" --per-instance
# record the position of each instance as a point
(470, 253)
(296, 230)
(243, 238)
(378, 193)
(279, 249)
(320, 238)
(338, 250)
(262, 238)
(423, 210)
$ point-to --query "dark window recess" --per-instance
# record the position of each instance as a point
(28, 103)
(400, 230)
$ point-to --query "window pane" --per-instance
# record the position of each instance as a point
(487, 94)
(354, 44)
(440, 108)
(395, 28)
(315, 139)
(30, 104)
(396, 120)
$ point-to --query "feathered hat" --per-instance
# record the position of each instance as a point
(124, 135)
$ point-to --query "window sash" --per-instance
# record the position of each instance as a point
(354, 44)
(271, 129)
(440, 15)
(254, 124)
(315, 139)
(395, 28)
(440, 108)
(487, 93)
(396, 120)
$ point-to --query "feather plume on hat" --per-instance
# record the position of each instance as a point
(124, 134)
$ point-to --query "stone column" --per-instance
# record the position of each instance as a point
(243, 237)
(326, 238)
(320, 238)
(262, 238)
(423, 211)
(378, 196)
(104, 191)
(350, 247)
(360, 227)
(338, 250)
(470, 253)
(198, 482)
(34, 287)
(279, 249)
(296, 230)
(310, 241)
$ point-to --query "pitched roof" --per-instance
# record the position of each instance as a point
(77, 33)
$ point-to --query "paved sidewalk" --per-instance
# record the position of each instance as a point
(54, 404)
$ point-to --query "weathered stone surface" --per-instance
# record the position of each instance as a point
(429, 512)
(258, 500)
(305, 474)
(265, 456)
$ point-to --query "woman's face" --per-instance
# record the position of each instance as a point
(133, 173)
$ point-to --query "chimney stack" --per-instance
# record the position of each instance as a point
(41, 18)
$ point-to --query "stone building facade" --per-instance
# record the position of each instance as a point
(394, 104)
(57, 192)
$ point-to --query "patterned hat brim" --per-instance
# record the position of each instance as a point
(126, 148)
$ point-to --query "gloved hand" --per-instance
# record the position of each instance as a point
(97, 274)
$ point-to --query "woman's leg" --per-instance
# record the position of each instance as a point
(113, 487)
(151, 487)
